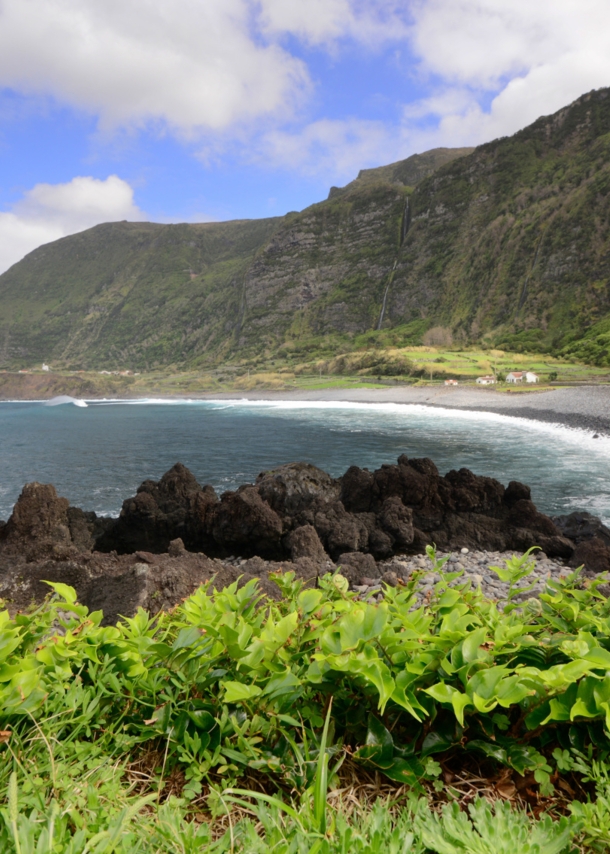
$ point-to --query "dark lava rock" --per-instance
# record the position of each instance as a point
(593, 554)
(581, 526)
(39, 523)
(242, 522)
(523, 514)
(305, 542)
(292, 488)
(176, 506)
(356, 567)
(295, 517)
(516, 491)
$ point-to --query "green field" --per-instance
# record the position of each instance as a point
(372, 367)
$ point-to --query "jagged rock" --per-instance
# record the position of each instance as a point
(292, 488)
(397, 520)
(39, 523)
(581, 526)
(339, 530)
(516, 491)
(594, 554)
(176, 506)
(176, 548)
(296, 516)
(523, 514)
(355, 566)
(246, 524)
(305, 542)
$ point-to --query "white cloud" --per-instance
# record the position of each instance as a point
(190, 63)
(336, 149)
(528, 58)
(50, 211)
(323, 21)
(490, 68)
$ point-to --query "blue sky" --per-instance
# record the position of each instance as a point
(220, 109)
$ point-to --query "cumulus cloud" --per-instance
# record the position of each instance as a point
(324, 21)
(193, 66)
(50, 211)
(188, 63)
(490, 68)
(498, 66)
(225, 72)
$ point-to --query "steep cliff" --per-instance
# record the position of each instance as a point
(508, 242)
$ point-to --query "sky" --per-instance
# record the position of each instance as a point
(202, 110)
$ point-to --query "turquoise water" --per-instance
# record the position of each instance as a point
(97, 455)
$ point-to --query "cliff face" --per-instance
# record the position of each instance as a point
(508, 242)
(514, 238)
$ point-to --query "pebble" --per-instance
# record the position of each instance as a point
(476, 567)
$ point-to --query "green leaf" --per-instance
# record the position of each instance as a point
(281, 684)
(309, 600)
(236, 692)
(67, 593)
(186, 637)
(379, 745)
(472, 643)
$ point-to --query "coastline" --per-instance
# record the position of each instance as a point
(582, 407)
(579, 407)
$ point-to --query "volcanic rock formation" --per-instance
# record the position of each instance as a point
(175, 534)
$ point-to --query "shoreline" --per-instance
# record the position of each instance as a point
(582, 407)
(579, 407)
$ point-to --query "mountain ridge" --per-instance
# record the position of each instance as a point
(507, 244)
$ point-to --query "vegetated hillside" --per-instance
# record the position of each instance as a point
(127, 293)
(511, 243)
(408, 172)
(507, 244)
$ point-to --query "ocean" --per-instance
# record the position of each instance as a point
(97, 454)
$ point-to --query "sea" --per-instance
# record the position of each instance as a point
(96, 453)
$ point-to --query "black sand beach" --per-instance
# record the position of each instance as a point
(583, 407)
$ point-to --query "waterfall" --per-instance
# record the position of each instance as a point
(529, 276)
(385, 296)
(404, 229)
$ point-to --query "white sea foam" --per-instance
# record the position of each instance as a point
(563, 432)
(65, 398)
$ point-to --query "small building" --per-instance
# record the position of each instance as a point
(489, 380)
(451, 382)
(522, 377)
(45, 367)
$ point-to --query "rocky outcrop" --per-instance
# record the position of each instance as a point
(175, 534)
(174, 507)
(581, 526)
(593, 554)
(298, 510)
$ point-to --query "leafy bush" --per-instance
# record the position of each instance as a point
(230, 683)
(217, 681)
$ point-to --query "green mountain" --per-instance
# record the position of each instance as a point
(506, 244)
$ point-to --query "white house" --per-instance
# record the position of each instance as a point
(522, 377)
(45, 367)
(489, 380)
(451, 382)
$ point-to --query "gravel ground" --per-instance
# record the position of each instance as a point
(476, 566)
